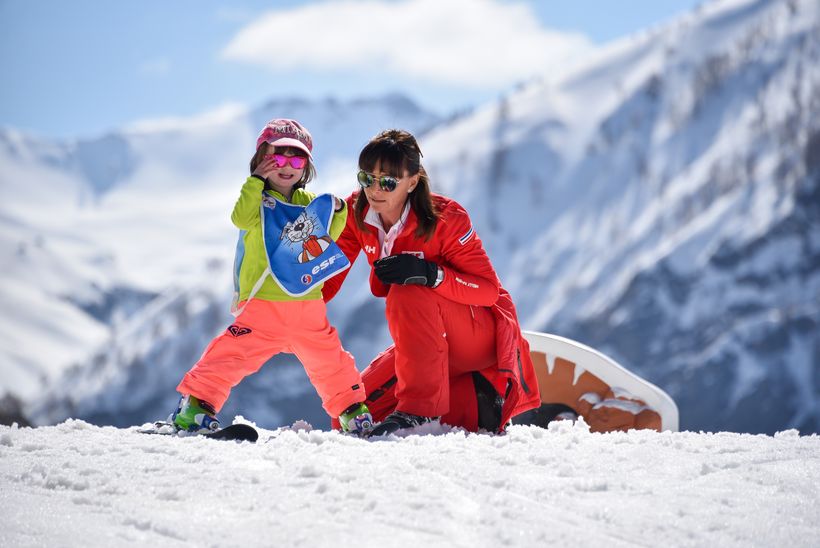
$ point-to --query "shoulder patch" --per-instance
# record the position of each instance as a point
(466, 238)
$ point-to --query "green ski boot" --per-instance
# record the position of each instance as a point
(356, 419)
(193, 415)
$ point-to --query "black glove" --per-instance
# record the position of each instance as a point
(406, 269)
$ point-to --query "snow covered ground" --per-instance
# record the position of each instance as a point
(75, 484)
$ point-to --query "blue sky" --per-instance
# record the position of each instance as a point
(84, 67)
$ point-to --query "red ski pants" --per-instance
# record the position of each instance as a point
(266, 328)
(438, 343)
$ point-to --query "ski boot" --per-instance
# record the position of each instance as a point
(193, 415)
(398, 420)
(356, 419)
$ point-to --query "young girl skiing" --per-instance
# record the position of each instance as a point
(272, 320)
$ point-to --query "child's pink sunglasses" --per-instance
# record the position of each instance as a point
(280, 160)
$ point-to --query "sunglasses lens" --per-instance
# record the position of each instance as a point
(298, 162)
(364, 179)
(277, 159)
(388, 183)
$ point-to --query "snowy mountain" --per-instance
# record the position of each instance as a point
(75, 484)
(660, 203)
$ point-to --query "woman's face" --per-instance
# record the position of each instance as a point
(389, 204)
(277, 167)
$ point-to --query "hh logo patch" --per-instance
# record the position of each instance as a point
(237, 331)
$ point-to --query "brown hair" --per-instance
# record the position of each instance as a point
(397, 151)
(307, 176)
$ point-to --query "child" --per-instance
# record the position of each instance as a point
(271, 320)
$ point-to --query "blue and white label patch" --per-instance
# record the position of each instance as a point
(466, 238)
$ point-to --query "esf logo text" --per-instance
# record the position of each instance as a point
(326, 263)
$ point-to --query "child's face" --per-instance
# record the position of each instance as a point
(278, 166)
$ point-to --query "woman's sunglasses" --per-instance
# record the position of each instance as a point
(386, 183)
(280, 160)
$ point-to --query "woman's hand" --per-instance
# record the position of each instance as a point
(406, 269)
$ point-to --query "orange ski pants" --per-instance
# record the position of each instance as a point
(266, 328)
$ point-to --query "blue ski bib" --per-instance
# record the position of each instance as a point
(300, 251)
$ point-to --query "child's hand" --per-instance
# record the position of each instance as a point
(264, 169)
(338, 204)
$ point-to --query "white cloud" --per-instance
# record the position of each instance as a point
(214, 117)
(482, 44)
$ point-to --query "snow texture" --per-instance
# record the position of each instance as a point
(75, 484)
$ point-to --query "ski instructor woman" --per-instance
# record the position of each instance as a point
(458, 354)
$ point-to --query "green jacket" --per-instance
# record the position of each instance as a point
(246, 217)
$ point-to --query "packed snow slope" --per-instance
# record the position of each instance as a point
(80, 485)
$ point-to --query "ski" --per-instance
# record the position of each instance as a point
(233, 432)
(236, 432)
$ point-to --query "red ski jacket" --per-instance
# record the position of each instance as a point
(469, 278)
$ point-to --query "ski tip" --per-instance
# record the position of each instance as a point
(235, 432)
